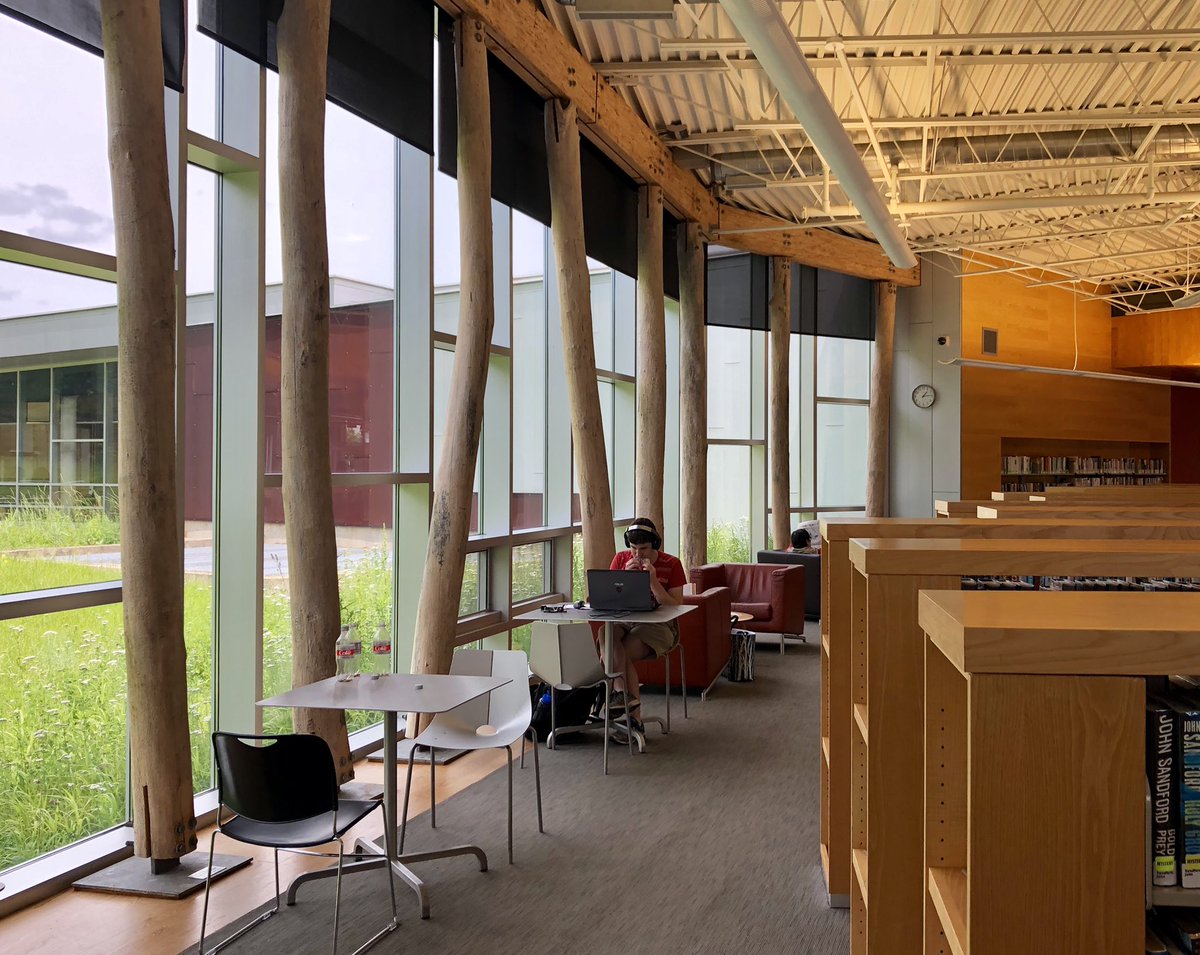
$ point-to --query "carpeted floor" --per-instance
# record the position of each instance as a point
(706, 843)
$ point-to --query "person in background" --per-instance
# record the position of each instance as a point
(802, 542)
(640, 641)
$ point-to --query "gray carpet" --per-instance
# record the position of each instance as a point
(706, 843)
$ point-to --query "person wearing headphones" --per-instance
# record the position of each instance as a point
(640, 641)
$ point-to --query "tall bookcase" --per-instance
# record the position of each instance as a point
(1032, 464)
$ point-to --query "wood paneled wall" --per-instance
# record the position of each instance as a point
(1036, 327)
(1157, 341)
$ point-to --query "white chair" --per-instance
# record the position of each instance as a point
(495, 720)
(564, 656)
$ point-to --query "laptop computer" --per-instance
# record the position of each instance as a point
(619, 590)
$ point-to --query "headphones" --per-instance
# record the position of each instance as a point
(645, 527)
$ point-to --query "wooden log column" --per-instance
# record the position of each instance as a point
(441, 581)
(693, 400)
(777, 439)
(879, 433)
(651, 358)
(579, 353)
(151, 551)
(302, 41)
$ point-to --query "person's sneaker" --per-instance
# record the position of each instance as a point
(620, 735)
(616, 702)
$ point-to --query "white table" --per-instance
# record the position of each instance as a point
(572, 614)
(390, 693)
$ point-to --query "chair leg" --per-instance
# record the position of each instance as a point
(607, 695)
(508, 749)
(432, 788)
(667, 667)
(407, 790)
(683, 678)
(552, 739)
(388, 838)
(524, 739)
(212, 842)
(337, 894)
(782, 643)
(537, 778)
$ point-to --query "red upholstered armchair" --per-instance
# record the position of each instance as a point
(772, 594)
(704, 635)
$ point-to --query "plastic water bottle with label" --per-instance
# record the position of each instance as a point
(348, 651)
(381, 652)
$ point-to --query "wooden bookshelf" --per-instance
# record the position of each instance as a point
(1114, 511)
(837, 718)
(1046, 462)
(957, 508)
(1034, 826)
(887, 657)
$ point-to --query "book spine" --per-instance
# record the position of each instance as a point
(1189, 798)
(1161, 745)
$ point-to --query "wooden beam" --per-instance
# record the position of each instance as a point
(777, 440)
(579, 352)
(816, 247)
(651, 358)
(302, 38)
(441, 582)
(527, 41)
(693, 400)
(879, 429)
(164, 826)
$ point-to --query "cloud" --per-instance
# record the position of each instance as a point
(49, 213)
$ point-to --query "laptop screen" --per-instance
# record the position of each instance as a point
(620, 590)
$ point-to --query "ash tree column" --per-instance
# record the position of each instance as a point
(441, 582)
(777, 440)
(151, 557)
(693, 400)
(879, 432)
(302, 41)
(579, 353)
(651, 357)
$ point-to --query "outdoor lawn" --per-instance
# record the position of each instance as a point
(62, 676)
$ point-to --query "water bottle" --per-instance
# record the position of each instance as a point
(347, 649)
(381, 652)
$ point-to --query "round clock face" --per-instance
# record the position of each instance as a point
(923, 396)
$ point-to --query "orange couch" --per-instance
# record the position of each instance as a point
(704, 635)
(772, 594)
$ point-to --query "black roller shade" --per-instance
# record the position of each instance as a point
(78, 22)
(380, 63)
(738, 289)
(521, 177)
(831, 304)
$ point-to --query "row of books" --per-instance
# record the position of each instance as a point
(1173, 931)
(1035, 486)
(1063, 464)
(1146, 584)
(1173, 775)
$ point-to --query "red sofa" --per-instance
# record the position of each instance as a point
(772, 594)
(704, 635)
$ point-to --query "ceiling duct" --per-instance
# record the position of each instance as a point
(621, 9)
(767, 34)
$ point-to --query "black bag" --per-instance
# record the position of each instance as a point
(573, 707)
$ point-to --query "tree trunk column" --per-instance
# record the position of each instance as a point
(579, 353)
(693, 400)
(450, 524)
(777, 439)
(302, 40)
(651, 358)
(881, 400)
(151, 555)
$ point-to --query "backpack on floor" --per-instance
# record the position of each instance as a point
(572, 707)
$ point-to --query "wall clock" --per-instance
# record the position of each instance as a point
(924, 396)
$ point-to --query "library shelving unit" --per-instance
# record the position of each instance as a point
(1034, 777)
(836, 641)
(1033, 464)
(887, 686)
(1113, 510)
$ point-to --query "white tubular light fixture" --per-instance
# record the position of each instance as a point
(767, 34)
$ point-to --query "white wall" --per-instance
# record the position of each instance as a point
(925, 443)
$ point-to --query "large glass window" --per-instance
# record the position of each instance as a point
(529, 373)
(841, 454)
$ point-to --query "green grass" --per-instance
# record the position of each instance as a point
(23, 528)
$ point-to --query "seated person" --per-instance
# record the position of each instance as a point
(639, 641)
(802, 542)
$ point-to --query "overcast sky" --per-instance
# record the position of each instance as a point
(54, 180)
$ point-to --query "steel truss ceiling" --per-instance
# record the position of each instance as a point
(1063, 138)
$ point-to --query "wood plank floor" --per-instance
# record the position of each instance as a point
(89, 923)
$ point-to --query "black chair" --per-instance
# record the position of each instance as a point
(284, 791)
